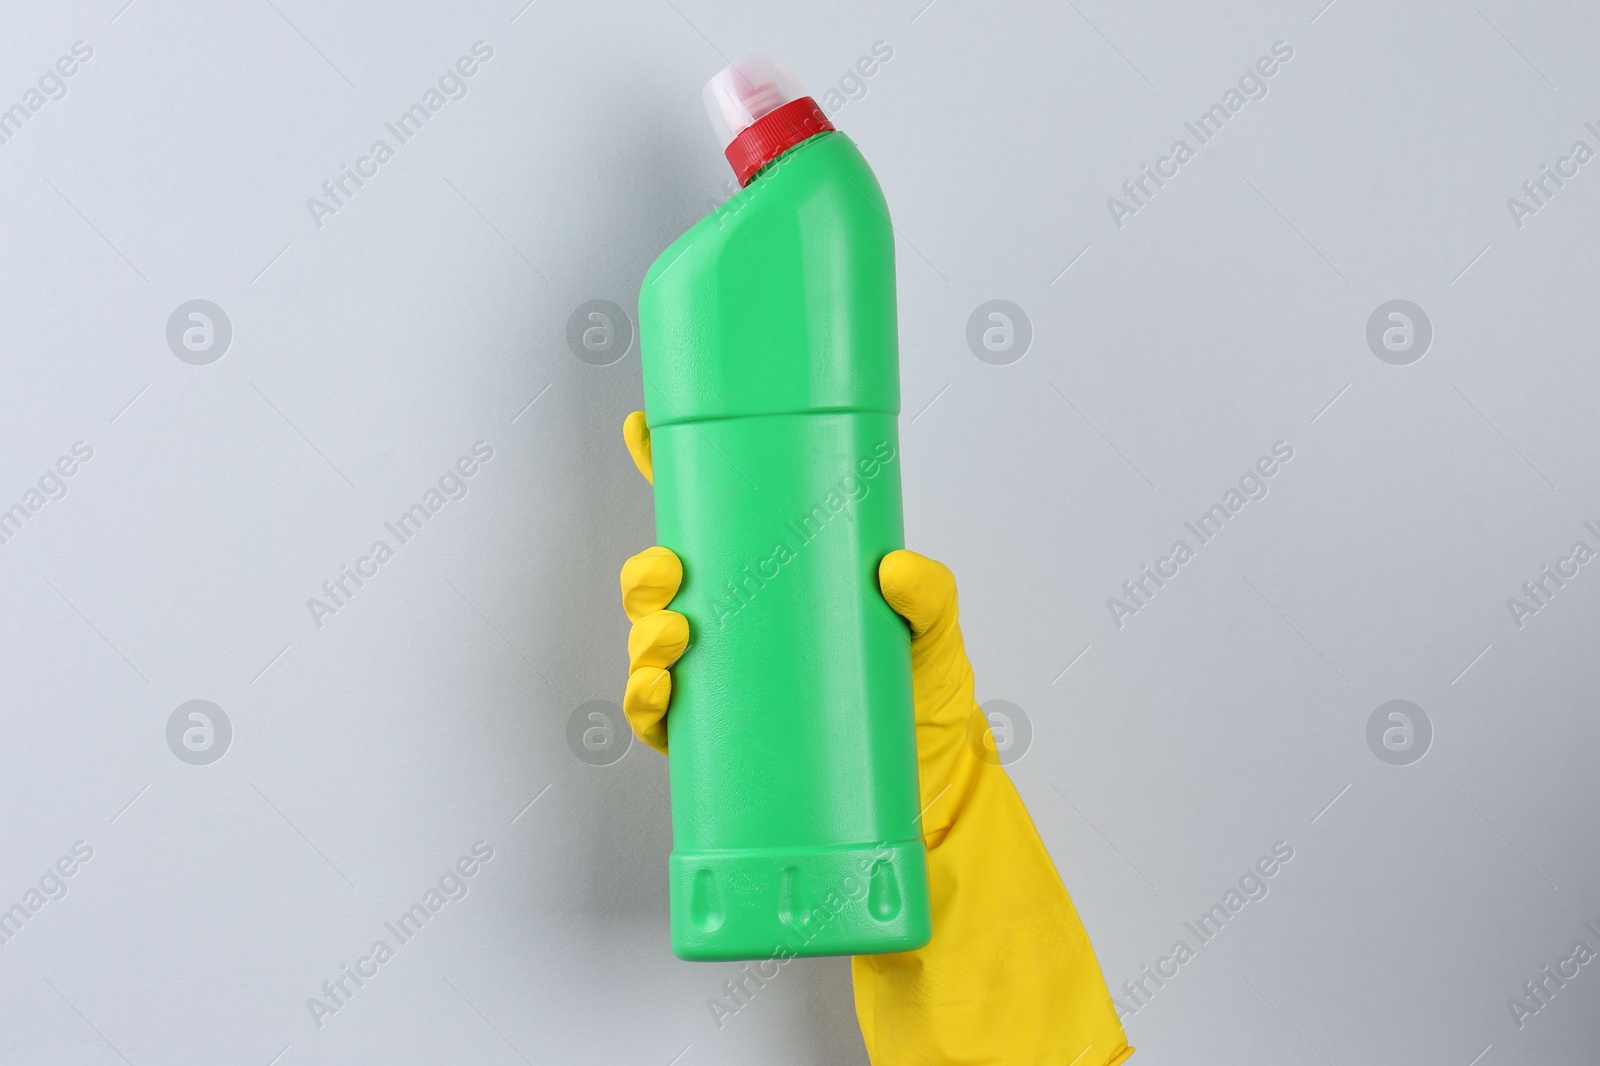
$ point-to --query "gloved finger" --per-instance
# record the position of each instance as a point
(636, 435)
(644, 704)
(657, 639)
(921, 590)
(649, 581)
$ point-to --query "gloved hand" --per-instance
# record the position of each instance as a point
(1009, 977)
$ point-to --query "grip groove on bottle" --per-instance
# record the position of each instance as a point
(883, 895)
(705, 902)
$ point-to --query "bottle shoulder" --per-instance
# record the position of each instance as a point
(825, 179)
(781, 300)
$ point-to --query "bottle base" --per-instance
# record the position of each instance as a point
(760, 903)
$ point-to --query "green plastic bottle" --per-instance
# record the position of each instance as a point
(772, 393)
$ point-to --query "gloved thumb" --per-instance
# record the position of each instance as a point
(921, 590)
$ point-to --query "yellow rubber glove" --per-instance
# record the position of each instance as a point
(1009, 978)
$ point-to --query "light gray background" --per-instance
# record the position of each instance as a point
(429, 313)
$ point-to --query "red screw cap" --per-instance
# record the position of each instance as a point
(759, 111)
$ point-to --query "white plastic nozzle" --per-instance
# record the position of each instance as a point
(746, 90)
